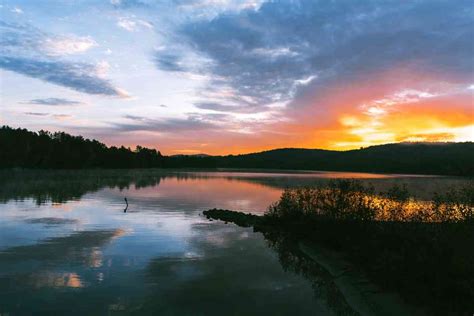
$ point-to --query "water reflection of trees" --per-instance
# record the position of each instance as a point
(59, 186)
(422, 250)
(419, 249)
(293, 260)
(63, 186)
(428, 264)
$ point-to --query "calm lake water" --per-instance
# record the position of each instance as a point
(67, 247)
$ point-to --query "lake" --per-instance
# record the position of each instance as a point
(68, 247)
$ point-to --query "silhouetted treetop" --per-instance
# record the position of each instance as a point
(20, 148)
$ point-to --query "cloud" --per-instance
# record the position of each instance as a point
(102, 68)
(77, 76)
(168, 125)
(168, 61)
(336, 74)
(127, 24)
(135, 117)
(133, 24)
(58, 46)
(54, 101)
(307, 73)
(283, 48)
(27, 39)
(36, 113)
(62, 117)
(212, 7)
(177, 57)
(127, 4)
(29, 51)
(17, 10)
(217, 106)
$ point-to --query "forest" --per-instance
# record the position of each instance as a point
(20, 148)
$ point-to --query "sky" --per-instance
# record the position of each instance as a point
(230, 77)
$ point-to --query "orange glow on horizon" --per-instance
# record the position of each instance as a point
(395, 106)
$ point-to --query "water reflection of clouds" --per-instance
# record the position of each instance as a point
(164, 242)
(52, 221)
(24, 222)
(236, 266)
(56, 279)
(200, 194)
(43, 264)
(75, 248)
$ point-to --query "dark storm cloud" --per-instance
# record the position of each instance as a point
(268, 53)
(23, 51)
(53, 101)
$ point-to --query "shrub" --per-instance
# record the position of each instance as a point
(350, 200)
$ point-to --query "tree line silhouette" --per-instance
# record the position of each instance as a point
(20, 148)
(26, 149)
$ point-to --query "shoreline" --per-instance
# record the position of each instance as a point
(302, 172)
(360, 294)
(363, 260)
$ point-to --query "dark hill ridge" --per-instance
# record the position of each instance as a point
(419, 158)
(20, 148)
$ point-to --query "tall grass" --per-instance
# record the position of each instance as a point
(350, 200)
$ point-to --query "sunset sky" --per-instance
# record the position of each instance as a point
(227, 77)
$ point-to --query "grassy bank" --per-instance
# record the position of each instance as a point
(421, 249)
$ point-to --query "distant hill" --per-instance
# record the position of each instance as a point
(417, 158)
(20, 148)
